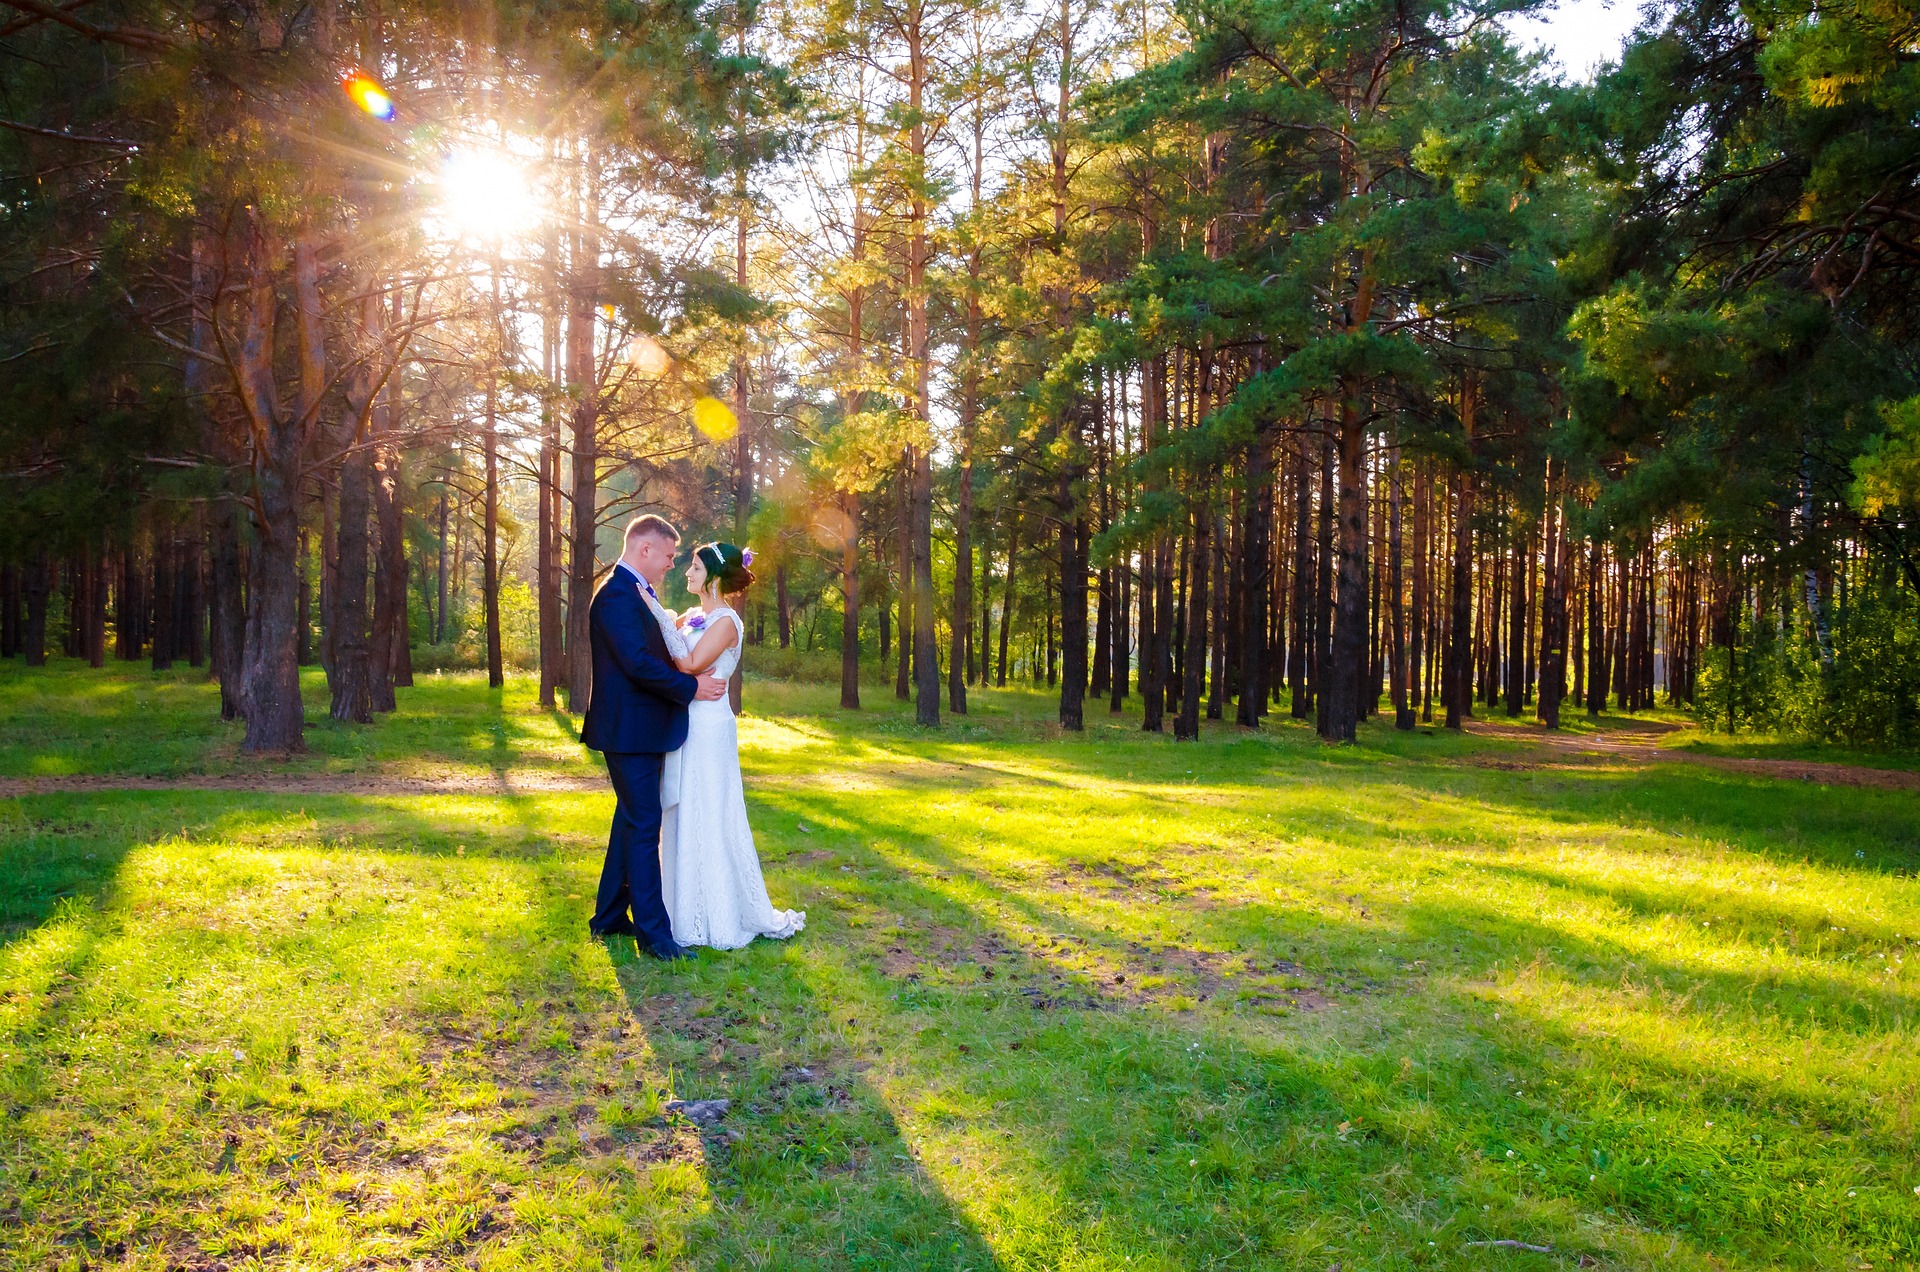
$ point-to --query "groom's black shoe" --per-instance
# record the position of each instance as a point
(670, 953)
(616, 929)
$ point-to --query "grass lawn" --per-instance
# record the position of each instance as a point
(1094, 1002)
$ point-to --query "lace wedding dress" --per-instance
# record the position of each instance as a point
(709, 870)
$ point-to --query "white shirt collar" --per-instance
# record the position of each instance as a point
(646, 588)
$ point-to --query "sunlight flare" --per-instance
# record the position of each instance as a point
(487, 194)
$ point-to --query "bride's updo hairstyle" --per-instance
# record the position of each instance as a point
(727, 566)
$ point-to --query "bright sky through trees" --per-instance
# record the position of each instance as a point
(1579, 34)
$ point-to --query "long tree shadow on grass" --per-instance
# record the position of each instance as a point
(68, 851)
(809, 1168)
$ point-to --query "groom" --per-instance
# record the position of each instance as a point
(636, 713)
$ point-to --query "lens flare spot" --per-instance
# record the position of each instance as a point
(715, 420)
(366, 93)
(648, 357)
(831, 528)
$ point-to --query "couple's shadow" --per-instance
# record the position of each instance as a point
(808, 1168)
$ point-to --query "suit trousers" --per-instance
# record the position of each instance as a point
(630, 879)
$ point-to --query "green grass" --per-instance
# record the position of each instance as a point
(1100, 1002)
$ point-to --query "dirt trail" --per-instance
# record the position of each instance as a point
(500, 782)
(1639, 741)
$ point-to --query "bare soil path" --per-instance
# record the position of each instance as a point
(498, 782)
(1638, 741)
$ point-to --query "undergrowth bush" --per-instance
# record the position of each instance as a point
(1870, 698)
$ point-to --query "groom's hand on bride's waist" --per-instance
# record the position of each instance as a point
(711, 687)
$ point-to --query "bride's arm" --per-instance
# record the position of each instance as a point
(713, 642)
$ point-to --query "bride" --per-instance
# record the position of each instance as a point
(709, 870)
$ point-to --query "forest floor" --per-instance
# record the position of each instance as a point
(1091, 1002)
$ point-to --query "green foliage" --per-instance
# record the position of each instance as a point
(1869, 700)
(1886, 473)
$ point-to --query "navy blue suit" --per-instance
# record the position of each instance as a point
(636, 713)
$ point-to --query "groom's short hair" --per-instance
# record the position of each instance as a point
(649, 524)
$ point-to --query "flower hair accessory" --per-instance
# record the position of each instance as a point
(746, 557)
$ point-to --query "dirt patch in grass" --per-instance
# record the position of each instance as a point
(1120, 881)
(499, 782)
(1071, 972)
(1639, 741)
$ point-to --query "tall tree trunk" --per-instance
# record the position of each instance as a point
(1256, 552)
(582, 378)
(1553, 614)
(782, 607)
(1622, 617)
(352, 672)
(553, 670)
(1100, 670)
(1156, 615)
(1596, 661)
(849, 603)
(1073, 605)
(1397, 674)
(958, 676)
(547, 567)
(957, 659)
(986, 606)
(269, 671)
(1519, 567)
(35, 586)
(1122, 650)
(919, 562)
(743, 474)
(1006, 603)
(1193, 661)
(440, 582)
(926, 655)
(1217, 621)
(1300, 648)
(1457, 684)
(1072, 513)
(490, 516)
(193, 600)
(1321, 669)
(903, 547)
(353, 666)
(126, 606)
(388, 645)
(10, 635)
(165, 554)
(93, 639)
(303, 653)
(1350, 620)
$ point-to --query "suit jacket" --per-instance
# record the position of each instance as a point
(638, 701)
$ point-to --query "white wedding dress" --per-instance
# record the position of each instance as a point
(709, 870)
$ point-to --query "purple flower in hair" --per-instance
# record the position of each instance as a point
(746, 557)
